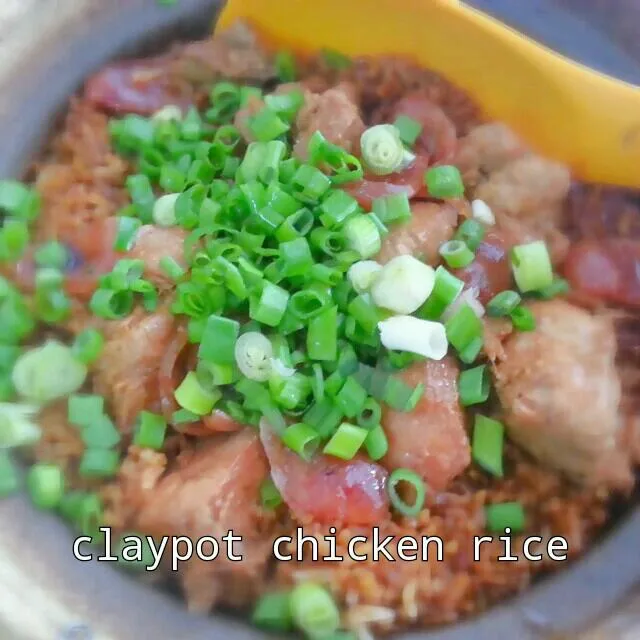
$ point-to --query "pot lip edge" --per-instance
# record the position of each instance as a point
(506, 615)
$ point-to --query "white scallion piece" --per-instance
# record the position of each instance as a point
(363, 274)
(48, 372)
(403, 284)
(481, 212)
(169, 113)
(279, 367)
(164, 210)
(254, 356)
(406, 333)
(17, 425)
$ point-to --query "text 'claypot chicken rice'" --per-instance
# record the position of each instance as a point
(250, 293)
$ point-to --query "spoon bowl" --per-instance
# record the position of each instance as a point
(564, 110)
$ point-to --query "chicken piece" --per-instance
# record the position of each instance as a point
(560, 393)
(431, 224)
(127, 371)
(234, 54)
(215, 491)
(531, 189)
(154, 243)
(335, 114)
(487, 148)
(241, 120)
(431, 440)
(327, 490)
(496, 331)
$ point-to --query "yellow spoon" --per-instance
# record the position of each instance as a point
(565, 110)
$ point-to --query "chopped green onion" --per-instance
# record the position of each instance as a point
(471, 232)
(273, 612)
(487, 445)
(444, 182)
(400, 396)
(18, 426)
(253, 356)
(171, 268)
(101, 433)
(14, 237)
(285, 65)
(296, 257)
(335, 59)
(474, 385)
(84, 409)
(87, 346)
(362, 236)
(9, 480)
(337, 208)
(266, 125)
(270, 306)
(376, 443)
(346, 441)
(99, 463)
(48, 372)
(322, 335)
(269, 495)
(164, 210)
(523, 319)
(409, 477)
(394, 208)
(191, 395)
(150, 431)
(52, 254)
(111, 304)
(302, 439)
(505, 515)
(531, 266)
(219, 340)
(18, 200)
(403, 284)
(363, 274)
(408, 128)
(351, 398)
(309, 183)
(382, 150)
(558, 287)
(314, 611)
(45, 484)
(446, 290)
(456, 254)
(503, 303)
(463, 328)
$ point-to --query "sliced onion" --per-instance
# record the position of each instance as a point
(406, 333)
(468, 296)
(254, 356)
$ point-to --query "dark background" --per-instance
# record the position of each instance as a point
(604, 34)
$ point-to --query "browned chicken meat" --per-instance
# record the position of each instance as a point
(431, 440)
(215, 490)
(335, 114)
(154, 243)
(233, 53)
(560, 393)
(431, 225)
(127, 372)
